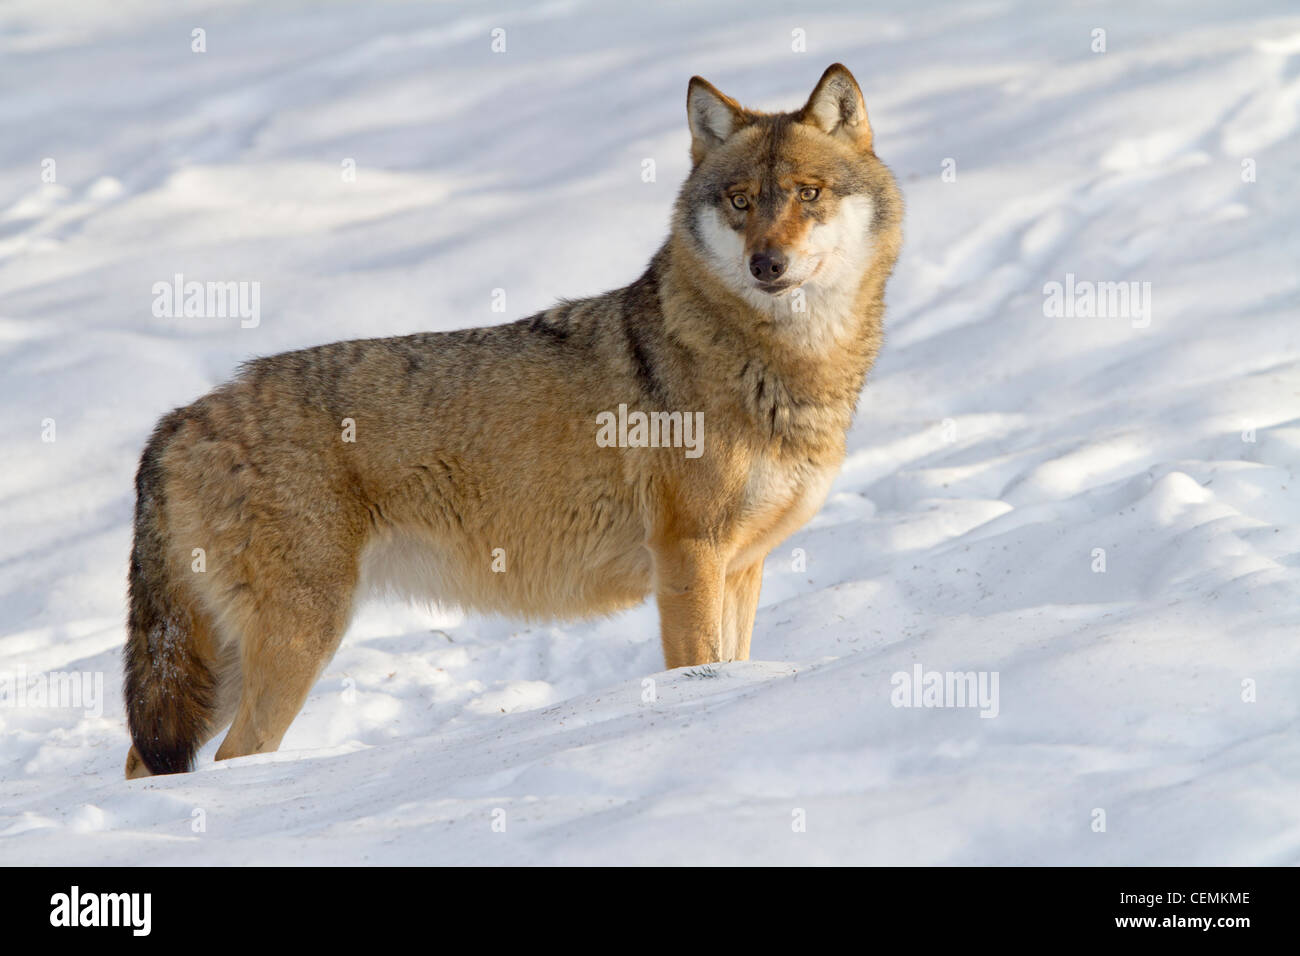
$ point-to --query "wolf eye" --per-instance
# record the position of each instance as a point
(740, 201)
(809, 193)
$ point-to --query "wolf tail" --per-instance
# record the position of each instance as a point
(170, 685)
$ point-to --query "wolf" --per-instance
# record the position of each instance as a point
(464, 467)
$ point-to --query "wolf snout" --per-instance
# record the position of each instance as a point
(768, 265)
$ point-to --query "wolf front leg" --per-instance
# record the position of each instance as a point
(689, 586)
(740, 602)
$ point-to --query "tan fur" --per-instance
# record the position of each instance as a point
(484, 439)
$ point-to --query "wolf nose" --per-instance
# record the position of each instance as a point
(766, 266)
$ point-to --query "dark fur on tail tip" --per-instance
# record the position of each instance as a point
(169, 688)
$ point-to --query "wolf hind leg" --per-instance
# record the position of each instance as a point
(299, 599)
(285, 648)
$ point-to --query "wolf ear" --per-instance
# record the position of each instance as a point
(713, 116)
(837, 109)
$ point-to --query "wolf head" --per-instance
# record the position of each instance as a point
(782, 201)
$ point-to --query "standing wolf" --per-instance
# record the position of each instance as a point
(475, 468)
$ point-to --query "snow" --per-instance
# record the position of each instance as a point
(995, 449)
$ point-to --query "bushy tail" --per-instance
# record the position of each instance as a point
(170, 688)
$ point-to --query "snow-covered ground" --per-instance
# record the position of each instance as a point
(996, 449)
